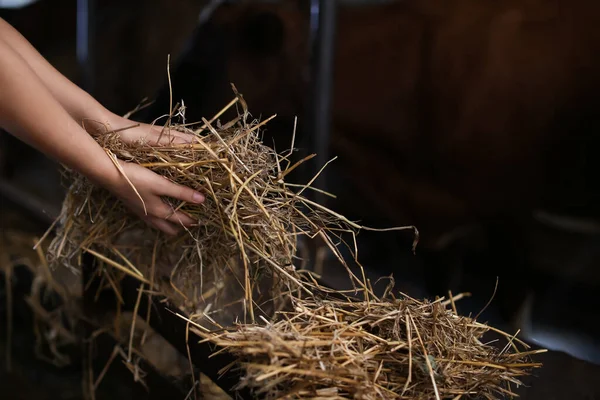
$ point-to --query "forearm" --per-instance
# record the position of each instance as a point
(79, 104)
(29, 111)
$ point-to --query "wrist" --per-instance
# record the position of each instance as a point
(107, 173)
(100, 121)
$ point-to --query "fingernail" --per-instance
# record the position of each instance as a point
(197, 197)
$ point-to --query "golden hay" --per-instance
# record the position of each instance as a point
(250, 214)
(394, 349)
(237, 270)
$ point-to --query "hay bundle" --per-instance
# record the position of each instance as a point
(247, 229)
(239, 264)
(378, 349)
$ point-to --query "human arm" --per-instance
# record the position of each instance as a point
(30, 112)
(73, 99)
(82, 107)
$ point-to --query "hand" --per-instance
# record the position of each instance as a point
(151, 186)
(132, 132)
(153, 135)
(53, 117)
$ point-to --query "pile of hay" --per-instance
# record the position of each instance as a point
(381, 348)
(236, 275)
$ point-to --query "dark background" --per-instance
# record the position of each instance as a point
(475, 121)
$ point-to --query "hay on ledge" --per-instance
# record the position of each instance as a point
(378, 349)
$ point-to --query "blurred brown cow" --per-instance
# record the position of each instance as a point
(462, 117)
(446, 113)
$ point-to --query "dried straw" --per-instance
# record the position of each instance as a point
(53, 300)
(235, 275)
(378, 349)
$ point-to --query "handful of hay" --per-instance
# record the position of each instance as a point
(250, 217)
(238, 264)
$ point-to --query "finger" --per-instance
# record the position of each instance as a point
(165, 226)
(182, 137)
(164, 211)
(167, 136)
(180, 218)
(180, 192)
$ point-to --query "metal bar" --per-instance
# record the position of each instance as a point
(85, 42)
(323, 18)
(317, 131)
(208, 10)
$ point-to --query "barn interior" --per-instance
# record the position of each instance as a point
(477, 122)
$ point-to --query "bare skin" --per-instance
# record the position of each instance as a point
(43, 108)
